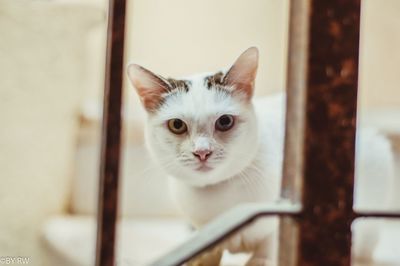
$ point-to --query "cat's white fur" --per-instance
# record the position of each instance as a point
(246, 164)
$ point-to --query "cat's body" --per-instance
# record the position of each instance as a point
(374, 184)
(222, 148)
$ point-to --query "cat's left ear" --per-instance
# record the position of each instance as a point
(241, 76)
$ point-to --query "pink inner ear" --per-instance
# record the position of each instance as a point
(151, 100)
(243, 86)
(242, 74)
(149, 86)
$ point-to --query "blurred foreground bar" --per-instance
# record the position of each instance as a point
(111, 136)
(321, 128)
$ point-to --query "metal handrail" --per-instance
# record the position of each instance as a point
(224, 226)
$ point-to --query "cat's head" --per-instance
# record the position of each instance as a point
(201, 129)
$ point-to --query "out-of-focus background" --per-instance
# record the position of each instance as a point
(52, 69)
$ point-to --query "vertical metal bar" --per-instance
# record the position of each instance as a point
(330, 126)
(295, 100)
(111, 136)
(294, 130)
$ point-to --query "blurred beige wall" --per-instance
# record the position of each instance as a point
(380, 54)
(43, 66)
(178, 37)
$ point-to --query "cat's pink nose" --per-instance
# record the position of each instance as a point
(202, 155)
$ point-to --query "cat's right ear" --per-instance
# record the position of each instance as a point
(148, 85)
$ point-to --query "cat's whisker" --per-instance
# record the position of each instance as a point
(147, 170)
(149, 181)
(248, 182)
(150, 175)
(144, 178)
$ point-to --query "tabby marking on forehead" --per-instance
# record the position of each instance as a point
(215, 80)
(179, 84)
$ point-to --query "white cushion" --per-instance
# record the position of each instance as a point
(70, 240)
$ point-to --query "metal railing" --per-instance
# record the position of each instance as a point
(111, 136)
(318, 176)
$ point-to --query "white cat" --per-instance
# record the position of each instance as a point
(223, 148)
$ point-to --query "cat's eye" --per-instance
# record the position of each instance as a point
(224, 123)
(177, 126)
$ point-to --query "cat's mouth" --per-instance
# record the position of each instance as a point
(203, 168)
